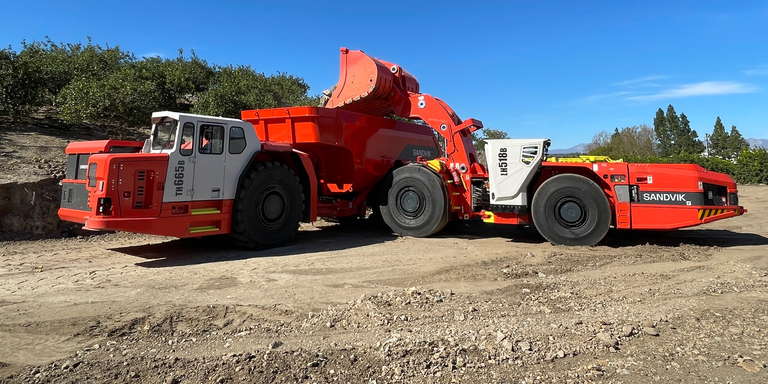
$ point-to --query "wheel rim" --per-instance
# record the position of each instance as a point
(410, 203)
(571, 212)
(273, 207)
(270, 212)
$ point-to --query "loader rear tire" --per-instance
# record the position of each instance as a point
(416, 202)
(571, 209)
(268, 207)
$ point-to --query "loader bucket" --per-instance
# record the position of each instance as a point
(366, 84)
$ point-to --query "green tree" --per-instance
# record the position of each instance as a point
(629, 141)
(64, 63)
(22, 82)
(718, 142)
(235, 89)
(179, 81)
(675, 132)
(120, 101)
(600, 144)
(663, 136)
(752, 167)
(479, 141)
(689, 138)
(34, 76)
(736, 142)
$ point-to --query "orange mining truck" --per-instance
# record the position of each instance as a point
(256, 178)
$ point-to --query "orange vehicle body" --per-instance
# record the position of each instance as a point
(342, 153)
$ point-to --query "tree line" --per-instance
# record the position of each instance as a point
(111, 87)
(671, 140)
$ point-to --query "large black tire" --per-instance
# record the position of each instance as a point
(416, 202)
(268, 208)
(571, 210)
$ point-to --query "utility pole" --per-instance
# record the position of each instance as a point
(706, 143)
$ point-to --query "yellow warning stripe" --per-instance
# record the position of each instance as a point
(583, 159)
(207, 228)
(705, 213)
(437, 165)
(204, 211)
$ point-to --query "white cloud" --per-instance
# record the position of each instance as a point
(602, 96)
(698, 89)
(153, 54)
(638, 81)
(763, 70)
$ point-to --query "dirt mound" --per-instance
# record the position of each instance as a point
(28, 210)
(32, 162)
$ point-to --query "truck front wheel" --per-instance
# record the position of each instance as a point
(268, 207)
(571, 210)
(415, 202)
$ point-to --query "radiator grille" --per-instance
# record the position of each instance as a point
(139, 194)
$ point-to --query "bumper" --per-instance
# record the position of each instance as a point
(196, 222)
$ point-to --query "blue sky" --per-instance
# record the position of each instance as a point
(558, 69)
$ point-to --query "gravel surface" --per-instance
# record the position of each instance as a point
(352, 304)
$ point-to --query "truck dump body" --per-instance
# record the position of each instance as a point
(351, 151)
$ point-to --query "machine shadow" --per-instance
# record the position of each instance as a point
(704, 237)
(615, 238)
(476, 230)
(215, 249)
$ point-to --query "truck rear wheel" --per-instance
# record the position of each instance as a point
(416, 202)
(571, 210)
(268, 207)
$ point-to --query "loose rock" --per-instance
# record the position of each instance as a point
(651, 331)
(275, 344)
(750, 365)
(606, 339)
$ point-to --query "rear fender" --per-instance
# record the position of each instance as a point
(373, 197)
(592, 171)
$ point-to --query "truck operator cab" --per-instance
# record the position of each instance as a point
(198, 149)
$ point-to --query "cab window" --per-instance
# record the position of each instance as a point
(211, 139)
(164, 134)
(187, 139)
(236, 140)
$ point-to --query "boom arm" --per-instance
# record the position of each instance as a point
(376, 87)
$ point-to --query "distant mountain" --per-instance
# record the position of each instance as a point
(754, 143)
(580, 148)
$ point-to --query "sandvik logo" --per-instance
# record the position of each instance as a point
(664, 196)
(671, 198)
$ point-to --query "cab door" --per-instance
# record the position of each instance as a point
(209, 161)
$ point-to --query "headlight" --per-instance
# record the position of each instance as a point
(92, 175)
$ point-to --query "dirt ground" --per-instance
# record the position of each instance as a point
(352, 304)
